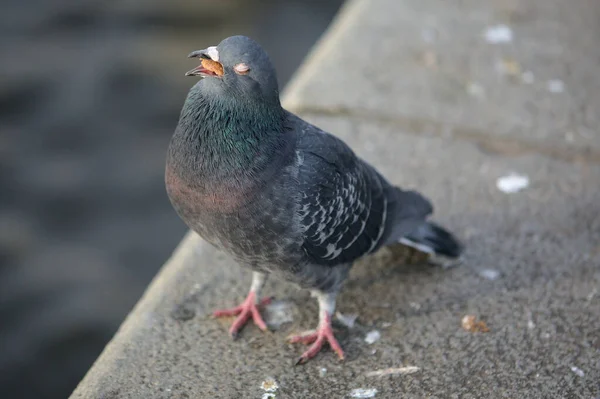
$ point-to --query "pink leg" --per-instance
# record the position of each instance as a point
(323, 333)
(247, 309)
(318, 338)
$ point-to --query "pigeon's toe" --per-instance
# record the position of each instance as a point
(244, 312)
(318, 337)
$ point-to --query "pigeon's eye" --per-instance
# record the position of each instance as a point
(241, 69)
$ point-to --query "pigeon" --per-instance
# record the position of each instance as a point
(279, 195)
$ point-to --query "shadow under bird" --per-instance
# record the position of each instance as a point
(280, 195)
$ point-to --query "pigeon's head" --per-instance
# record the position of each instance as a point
(237, 68)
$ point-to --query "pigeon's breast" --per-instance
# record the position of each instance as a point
(259, 227)
(190, 198)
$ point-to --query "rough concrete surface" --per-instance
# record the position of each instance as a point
(531, 270)
(427, 65)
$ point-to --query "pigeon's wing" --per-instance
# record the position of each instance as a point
(343, 201)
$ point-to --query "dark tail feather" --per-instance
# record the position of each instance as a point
(431, 238)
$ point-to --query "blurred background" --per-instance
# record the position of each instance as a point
(90, 92)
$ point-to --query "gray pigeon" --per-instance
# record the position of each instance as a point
(278, 194)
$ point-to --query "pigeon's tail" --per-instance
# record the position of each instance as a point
(430, 238)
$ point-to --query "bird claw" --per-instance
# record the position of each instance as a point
(246, 310)
(318, 337)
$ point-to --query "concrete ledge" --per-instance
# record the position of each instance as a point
(429, 63)
(532, 266)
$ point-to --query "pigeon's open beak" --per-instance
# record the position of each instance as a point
(209, 66)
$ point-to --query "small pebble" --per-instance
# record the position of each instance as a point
(363, 393)
(322, 372)
(470, 323)
(269, 385)
(577, 371)
(372, 337)
(489, 274)
(512, 183)
(498, 34)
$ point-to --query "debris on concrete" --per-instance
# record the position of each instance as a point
(386, 324)
(372, 337)
(578, 371)
(268, 395)
(322, 372)
(528, 77)
(498, 34)
(414, 305)
(512, 183)
(393, 371)
(556, 86)
(489, 274)
(269, 385)
(363, 393)
(530, 323)
(278, 313)
(591, 295)
(470, 324)
(183, 312)
(348, 320)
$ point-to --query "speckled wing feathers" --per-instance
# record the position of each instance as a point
(343, 206)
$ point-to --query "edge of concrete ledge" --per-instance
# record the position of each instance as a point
(344, 19)
(134, 323)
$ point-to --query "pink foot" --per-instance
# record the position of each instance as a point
(318, 338)
(248, 308)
